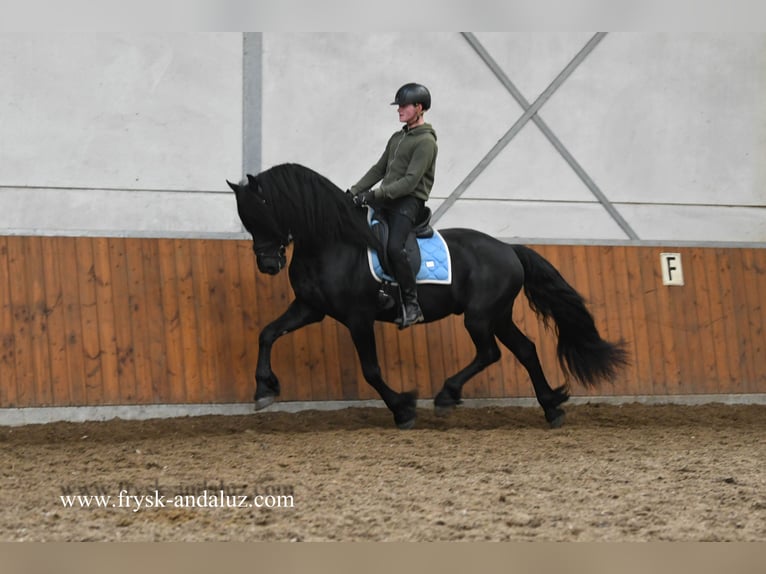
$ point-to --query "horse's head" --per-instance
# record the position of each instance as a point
(269, 243)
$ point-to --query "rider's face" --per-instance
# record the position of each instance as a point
(409, 114)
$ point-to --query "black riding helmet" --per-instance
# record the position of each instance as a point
(413, 94)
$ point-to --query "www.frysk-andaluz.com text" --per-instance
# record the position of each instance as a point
(204, 495)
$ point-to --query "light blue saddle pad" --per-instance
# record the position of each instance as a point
(435, 263)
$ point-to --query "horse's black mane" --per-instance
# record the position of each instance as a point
(310, 206)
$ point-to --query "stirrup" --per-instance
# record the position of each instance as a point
(418, 317)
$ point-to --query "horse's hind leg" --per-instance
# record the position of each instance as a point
(487, 352)
(526, 352)
(402, 405)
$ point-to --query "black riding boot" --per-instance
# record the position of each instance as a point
(411, 312)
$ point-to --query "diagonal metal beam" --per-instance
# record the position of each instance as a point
(522, 101)
(530, 112)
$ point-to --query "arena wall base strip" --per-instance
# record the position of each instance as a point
(42, 415)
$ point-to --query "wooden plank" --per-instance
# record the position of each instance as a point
(229, 311)
(171, 388)
(156, 369)
(18, 253)
(195, 370)
(420, 352)
(725, 328)
(728, 329)
(110, 361)
(642, 376)
(627, 308)
(415, 358)
(86, 275)
(742, 312)
(705, 343)
(8, 376)
(389, 355)
(215, 322)
(611, 318)
(674, 322)
(65, 251)
(231, 280)
(650, 286)
(201, 305)
(251, 318)
(406, 359)
(435, 370)
(699, 351)
(139, 321)
(754, 319)
(124, 342)
(662, 345)
(55, 324)
(686, 329)
(38, 324)
(759, 268)
(680, 319)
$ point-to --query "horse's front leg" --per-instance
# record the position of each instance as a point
(402, 405)
(298, 315)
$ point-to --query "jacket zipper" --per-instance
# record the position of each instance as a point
(396, 149)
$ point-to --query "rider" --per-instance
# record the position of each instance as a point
(406, 169)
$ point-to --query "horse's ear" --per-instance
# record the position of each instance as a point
(234, 187)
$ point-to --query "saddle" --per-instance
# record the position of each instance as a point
(421, 230)
(388, 293)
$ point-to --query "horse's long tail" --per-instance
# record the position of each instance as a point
(581, 350)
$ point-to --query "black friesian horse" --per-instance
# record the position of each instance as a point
(330, 275)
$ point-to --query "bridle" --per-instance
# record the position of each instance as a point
(271, 251)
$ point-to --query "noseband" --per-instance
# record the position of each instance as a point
(271, 251)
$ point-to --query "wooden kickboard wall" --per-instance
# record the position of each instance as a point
(128, 321)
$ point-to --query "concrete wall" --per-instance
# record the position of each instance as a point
(119, 133)
(131, 134)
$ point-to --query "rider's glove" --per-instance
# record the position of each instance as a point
(364, 198)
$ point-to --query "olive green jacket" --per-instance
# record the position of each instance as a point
(407, 166)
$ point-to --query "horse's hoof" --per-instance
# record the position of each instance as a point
(556, 420)
(264, 402)
(407, 425)
(443, 411)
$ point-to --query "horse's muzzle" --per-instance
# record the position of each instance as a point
(271, 264)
